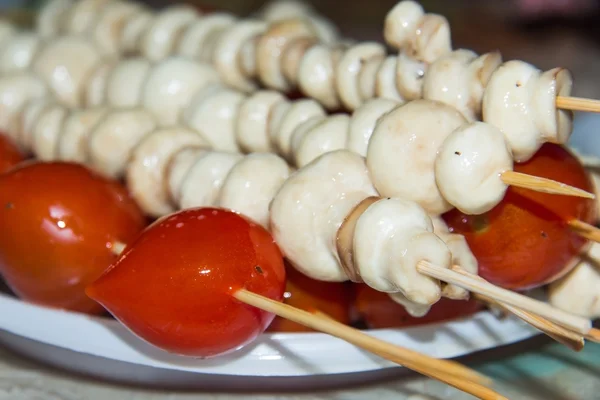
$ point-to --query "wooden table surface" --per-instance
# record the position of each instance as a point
(532, 370)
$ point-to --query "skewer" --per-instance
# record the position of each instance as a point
(542, 185)
(562, 335)
(475, 389)
(575, 323)
(360, 339)
(585, 230)
(593, 335)
(578, 104)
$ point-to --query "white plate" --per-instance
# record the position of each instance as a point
(67, 340)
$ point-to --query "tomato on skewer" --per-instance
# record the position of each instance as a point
(525, 241)
(331, 298)
(174, 285)
(59, 222)
(10, 155)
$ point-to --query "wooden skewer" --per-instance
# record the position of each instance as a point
(543, 185)
(562, 335)
(573, 322)
(586, 230)
(361, 339)
(577, 104)
(473, 388)
(593, 335)
(571, 339)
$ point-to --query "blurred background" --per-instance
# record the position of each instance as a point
(547, 33)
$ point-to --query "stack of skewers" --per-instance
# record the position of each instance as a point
(425, 177)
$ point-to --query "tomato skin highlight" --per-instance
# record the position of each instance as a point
(10, 155)
(331, 298)
(60, 221)
(525, 241)
(379, 311)
(173, 286)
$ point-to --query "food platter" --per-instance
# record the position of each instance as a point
(103, 348)
(100, 347)
(305, 189)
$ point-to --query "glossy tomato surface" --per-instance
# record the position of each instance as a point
(173, 286)
(379, 311)
(331, 298)
(525, 241)
(59, 222)
(10, 155)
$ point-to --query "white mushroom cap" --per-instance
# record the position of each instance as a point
(520, 100)
(108, 30)
(251, 185)
(385, 82)
(158, 40)
(301, 131)
(15, 91)
(251, 123)
(82, 15)
(50, 17)
(113, 139)
(193, 38)
(363, 121)
(18, 52)
(348, 69)
(401, 23)
(125, 81)
(171, 84)
(65, 63)
(391, 237)
(147, 168)
(409, 77)
(328, 135)
(76, 128)
(278, 10)
(212, 113)
(202, 184)
(459, 79)
(227, 48)
(179, 166)
(271, 46)
(27, 117)
(47, 130)
(469, 166)
(403, 149)
(579, 291)
(134, 26)
(299, 112)
(95, 90)
(310, 207)
(316, 76)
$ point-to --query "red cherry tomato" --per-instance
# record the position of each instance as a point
(59, 222)
(379, 311)
(333, 299)
(525, 242)
(173, 286)
(10, 155)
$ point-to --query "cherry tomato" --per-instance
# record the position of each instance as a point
(59, 223)
(333, 299)
(525, 241)
(379, 311)
(173, 286)
(10, 155)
